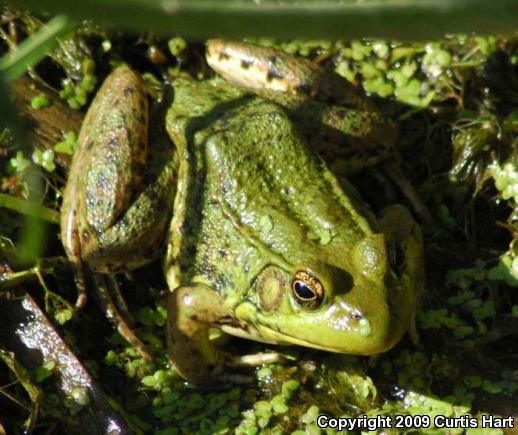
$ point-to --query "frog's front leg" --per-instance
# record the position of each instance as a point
(192, 311)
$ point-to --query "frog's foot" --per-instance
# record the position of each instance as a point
(112, 311)
(226, 378)
(393, 170)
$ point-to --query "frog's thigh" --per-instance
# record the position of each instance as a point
(137, 237)
(128, 187)
(191, 312)
(113, 146)
(399, 225)
(397, 222)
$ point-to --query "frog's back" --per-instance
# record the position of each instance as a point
(261, 187)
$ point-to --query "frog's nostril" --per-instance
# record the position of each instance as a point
(356, 315)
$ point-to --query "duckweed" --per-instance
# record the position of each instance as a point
(44, 158)
(289, 388)
(68, 144)
(177, 46)
(75, 94)
(40, 101)
(19, 162)
(80, 396)
(506, 180)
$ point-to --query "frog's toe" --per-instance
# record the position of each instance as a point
(80, 284)
(413, 333)
(127, 333)
(257, 359)
(112, 312)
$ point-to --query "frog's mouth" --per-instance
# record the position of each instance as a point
(269, 336)
(352, 342)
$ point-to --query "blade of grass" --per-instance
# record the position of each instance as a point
(14, 64)
(29, 208)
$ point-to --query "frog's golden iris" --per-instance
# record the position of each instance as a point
(307, 290)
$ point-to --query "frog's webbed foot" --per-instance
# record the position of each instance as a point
(115, 309)
(193, 311)
(111, 301)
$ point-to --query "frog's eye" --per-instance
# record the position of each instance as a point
(396, 257)
(307, 290)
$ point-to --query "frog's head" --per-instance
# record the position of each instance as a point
(357, 301)
(295, 252)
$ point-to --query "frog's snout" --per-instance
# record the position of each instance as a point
(367, 309)
(361, 325)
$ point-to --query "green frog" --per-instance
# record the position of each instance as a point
(258, 237)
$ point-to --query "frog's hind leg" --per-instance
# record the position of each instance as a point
(394, 172)
(118, 299)
(80, 285)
